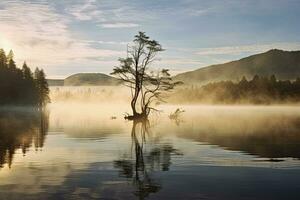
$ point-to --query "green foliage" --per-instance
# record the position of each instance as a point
(3, 59)
(42, 87)
(259, 90)
(18, 86)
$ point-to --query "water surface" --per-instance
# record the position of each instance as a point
(88, 151)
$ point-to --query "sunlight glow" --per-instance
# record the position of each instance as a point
(5, 44)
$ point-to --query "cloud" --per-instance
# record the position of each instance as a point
(41, 36)
(106, 14)
(121, 43)
(112, 42)
(179, 61)
(62, 35)
(255, 48)
(120, 25)
(85, 11)
(199, 12)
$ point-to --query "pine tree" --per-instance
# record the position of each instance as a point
(27, 74)
(18, 87)
(273, 79)
(243, 82)
(10, 55)
(12, 65)
(3, 59)
(42, 87)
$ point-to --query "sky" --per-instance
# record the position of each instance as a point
(72, 36)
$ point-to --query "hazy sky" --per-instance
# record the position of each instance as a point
(65, 37)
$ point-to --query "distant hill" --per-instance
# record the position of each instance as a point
(55, 82)
(284, 64)
(89, 79)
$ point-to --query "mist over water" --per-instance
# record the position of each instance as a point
(91, 94)
(84, 149)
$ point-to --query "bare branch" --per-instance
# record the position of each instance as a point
(146, 86)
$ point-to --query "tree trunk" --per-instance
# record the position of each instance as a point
(133, 102)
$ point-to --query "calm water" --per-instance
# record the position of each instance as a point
(211, 152)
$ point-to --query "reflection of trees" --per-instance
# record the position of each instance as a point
(21, 130)
(176, 116)
(274, 145)
(140, 167)
(267, 136)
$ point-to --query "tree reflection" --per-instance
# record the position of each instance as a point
(140, 167)
(21, 130)
(272, 136)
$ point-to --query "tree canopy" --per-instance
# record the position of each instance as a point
(19, 86)
(258, 90)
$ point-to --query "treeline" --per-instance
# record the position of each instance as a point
(21, 86)
(258, 90)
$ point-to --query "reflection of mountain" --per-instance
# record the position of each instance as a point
(265, 135)
(140, 168)
(21, 130)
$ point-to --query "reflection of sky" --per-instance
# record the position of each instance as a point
(84, 165)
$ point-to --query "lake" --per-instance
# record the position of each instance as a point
(88, 151)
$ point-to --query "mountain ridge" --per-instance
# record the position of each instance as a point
(85, 79)
(88, 79)
(284, 64)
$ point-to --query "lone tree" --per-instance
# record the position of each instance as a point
(147, 87)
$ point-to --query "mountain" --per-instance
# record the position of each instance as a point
(88, 79)
(283, 64)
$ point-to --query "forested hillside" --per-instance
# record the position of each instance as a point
(258, 90)
(19, 86)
